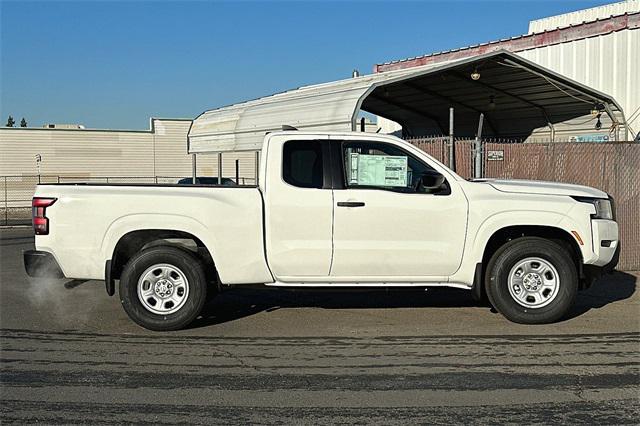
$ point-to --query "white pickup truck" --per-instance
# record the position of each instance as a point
(330, 210)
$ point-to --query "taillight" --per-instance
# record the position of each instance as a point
(38, 212)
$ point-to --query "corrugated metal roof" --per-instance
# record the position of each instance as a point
(322, 107)
(584, 15)
(526, 95)
(522, 42)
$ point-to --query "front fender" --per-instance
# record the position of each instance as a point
(498, 221)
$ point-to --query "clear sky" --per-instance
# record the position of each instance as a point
(114, 64)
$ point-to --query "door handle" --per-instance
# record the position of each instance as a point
(350, 204)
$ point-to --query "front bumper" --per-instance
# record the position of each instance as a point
(41, 264)
(591, 273)
(605, 240)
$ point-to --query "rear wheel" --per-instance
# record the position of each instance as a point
(531, 280)
(163, 288)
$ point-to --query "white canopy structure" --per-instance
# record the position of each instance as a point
(323, 107)
(524, 96)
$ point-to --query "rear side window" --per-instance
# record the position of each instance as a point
(302, 164)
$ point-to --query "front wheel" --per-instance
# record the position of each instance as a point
(163, 288)
(531, 280)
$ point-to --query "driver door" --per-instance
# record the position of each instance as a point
(386, 226)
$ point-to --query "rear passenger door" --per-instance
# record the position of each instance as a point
(298, 208)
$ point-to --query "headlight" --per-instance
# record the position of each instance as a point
(604, 209)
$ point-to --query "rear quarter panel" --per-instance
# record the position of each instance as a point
(88, 221)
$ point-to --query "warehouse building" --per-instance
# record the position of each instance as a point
(120, 155)
(597, 47)
(29, 156)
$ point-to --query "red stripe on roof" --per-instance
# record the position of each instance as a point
(523, 42)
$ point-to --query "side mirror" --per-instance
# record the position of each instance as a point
(431, 181)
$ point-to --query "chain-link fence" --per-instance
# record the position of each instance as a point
(16, 191)
(611, 167)
(438, 147)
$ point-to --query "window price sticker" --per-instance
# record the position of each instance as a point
(378, 170)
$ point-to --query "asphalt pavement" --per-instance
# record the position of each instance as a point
(69, 354)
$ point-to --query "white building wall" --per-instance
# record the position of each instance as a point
(76, 152)
(122, 156)
(585, 15)
(161, 151)
(609, 63)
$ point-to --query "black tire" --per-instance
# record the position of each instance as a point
(510, 255)
(188, 264)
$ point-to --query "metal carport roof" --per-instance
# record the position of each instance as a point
(516, 96)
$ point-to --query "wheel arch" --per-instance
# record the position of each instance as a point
(506, 234)
(135, 241)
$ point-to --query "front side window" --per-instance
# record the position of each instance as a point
(302, 164)
(384, 166)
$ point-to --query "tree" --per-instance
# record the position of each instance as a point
(23, 122)
(11, 122)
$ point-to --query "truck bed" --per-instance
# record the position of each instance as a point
(88, 220)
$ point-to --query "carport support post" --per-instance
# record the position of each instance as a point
(194, 171)
(6, 203)
(257, 171)
(615, 121)
(219, 168)
(452, 160)
(477, 172)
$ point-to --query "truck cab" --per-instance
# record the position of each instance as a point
(348, 208)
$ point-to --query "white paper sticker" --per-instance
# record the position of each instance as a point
(378, 170)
